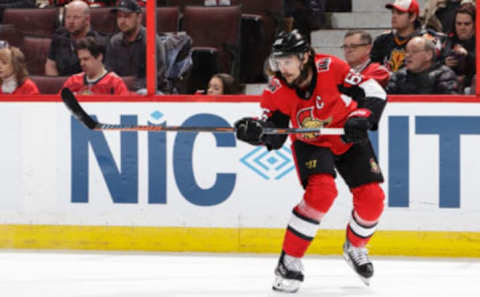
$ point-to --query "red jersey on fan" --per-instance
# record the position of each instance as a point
(324, 107)
(28, 87)
(109, 84)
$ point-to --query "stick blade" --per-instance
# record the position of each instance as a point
(73, 105)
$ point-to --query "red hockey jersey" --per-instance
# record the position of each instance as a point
(28, 87)
(325, 106)
(109, 84)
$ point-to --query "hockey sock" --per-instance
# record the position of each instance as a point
(368, 206)
(300, 232)
(358, 234)
(319, 196)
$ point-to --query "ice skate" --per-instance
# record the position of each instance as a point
(288, 274)
(357, 258)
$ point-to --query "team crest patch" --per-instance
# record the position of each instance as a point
(374, 166)
(323, 64)
(274, 85)
(306, 119)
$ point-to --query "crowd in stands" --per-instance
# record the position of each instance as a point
(426, 52)
(423, 60)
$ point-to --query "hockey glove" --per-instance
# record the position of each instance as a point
(356, 126)
(249, 130)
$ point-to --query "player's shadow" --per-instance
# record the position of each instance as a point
(341, 291)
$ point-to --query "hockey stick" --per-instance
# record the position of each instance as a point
(72, 104)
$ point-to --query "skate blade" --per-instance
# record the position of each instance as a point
(286, 285)
(365, 280)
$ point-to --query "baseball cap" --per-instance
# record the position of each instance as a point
(405, 6)
(127, 6)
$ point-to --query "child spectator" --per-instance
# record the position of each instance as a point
(94, 79)
(13, 72)
(222, 84)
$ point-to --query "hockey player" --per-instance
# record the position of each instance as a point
(316, 90)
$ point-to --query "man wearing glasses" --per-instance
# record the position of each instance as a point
(422, 74)
(357, 45)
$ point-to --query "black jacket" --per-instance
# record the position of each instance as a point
(439, 79)
(466, 65)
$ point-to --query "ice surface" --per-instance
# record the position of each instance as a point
(82, 274)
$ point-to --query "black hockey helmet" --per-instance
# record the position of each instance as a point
(289, 43)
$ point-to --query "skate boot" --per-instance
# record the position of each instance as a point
(357, 258)
(288, 274)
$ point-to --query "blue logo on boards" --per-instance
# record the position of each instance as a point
(122, 178)
(269, 164)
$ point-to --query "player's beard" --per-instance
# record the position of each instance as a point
(301, 77)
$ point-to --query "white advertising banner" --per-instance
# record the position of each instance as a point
(54, 171)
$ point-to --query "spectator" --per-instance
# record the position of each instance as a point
(421, 74)
(62, 59)
(439, 15)
(357, 45)
(459, 50)
(13, 72)
(94, 79)
(389, 48)
(126, 50)
(222, 84)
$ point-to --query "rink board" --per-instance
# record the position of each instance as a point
(65, 187)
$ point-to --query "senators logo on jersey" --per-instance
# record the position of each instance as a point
(306, 119)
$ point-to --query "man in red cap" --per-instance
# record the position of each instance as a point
(389, 48)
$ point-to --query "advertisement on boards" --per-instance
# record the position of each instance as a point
(56, 171)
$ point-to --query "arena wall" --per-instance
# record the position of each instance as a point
(66, 187)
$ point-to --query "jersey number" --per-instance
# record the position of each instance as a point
(353, 78)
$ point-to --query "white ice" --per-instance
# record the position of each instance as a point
(71, 274)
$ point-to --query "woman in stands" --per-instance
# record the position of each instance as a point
(222, 84)
(13, 72)
(459, 50)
